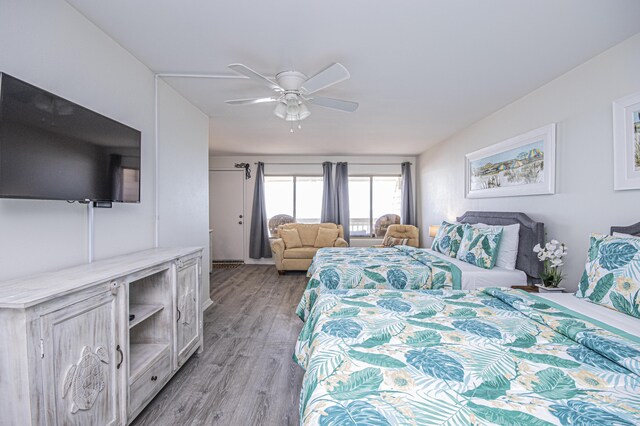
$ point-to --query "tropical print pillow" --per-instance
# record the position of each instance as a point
(448, 238)
(392, 242)
(612, 273)
(480, 246)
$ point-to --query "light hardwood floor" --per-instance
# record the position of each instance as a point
(245, 375)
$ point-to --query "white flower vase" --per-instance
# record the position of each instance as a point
(543, 289)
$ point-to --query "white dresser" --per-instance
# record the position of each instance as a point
(93, 344)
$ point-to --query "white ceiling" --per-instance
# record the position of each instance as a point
(420, 69)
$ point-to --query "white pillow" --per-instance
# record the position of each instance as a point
(620, 234)
(508, 250)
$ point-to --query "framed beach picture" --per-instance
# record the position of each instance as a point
(522, 165)
(626, 142)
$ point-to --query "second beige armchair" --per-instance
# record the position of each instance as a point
(401, 234)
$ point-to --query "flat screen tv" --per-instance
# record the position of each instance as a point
(54, 149)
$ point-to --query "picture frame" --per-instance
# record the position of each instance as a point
(626, 142)
(519, 166)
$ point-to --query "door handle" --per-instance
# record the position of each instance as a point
(121, 357)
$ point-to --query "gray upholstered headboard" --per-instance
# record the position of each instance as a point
(631, 229)
(531, 233)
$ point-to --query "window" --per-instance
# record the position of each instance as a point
(374, 204)
(292, 199)
(360, 206)
(308, 191)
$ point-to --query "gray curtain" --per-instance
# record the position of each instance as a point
(342, 198)
(407, 211)
(259, 245)
(328, 213)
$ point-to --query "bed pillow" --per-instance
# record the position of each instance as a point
(508, 251)
(620, 234)
(326, 237)
(291, 238)
(391, 242)
(448, 238)
(480, 246)
(611, 276)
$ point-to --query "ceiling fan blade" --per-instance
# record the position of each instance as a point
(248, 72)
(252, 101)
(338, 104)
(331, 75)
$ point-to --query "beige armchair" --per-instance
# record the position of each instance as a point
(299, 259)
(401, 232)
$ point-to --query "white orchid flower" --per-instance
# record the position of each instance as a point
(555, 242)
(556, 262)
(537, 248)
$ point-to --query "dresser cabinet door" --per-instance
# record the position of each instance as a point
(188, 308)
(81, 356)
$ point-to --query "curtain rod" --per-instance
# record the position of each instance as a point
(319, 164)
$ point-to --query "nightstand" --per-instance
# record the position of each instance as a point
(527, 288)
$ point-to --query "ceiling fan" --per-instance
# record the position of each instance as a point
(293, 91)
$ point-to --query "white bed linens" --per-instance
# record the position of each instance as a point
(608, 316)
(474, 277)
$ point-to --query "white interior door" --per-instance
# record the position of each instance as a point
(226, 214)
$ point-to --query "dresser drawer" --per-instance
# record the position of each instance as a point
(149, 382)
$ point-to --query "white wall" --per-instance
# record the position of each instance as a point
(227, 162)
(51, 45)
(183, 182)
(580, 103)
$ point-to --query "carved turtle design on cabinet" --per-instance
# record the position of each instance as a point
(86, 379)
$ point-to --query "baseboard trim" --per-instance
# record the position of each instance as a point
(263, 261)
(207, 304)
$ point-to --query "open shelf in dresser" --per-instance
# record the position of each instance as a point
(150, 300)
(142, 312)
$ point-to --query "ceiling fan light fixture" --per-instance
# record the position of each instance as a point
(281, 110)
(303, 112)
(292, 106)
(291, 110)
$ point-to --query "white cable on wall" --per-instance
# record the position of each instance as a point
(90, 232)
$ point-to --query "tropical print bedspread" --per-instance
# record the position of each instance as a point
(399, 267)
(492, 357)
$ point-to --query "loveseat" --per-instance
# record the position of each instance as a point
(289, 257)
